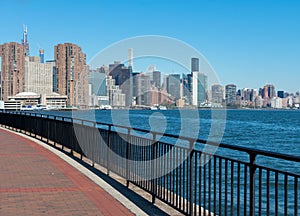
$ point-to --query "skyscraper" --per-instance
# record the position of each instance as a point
(271, 91)
(130, 57)
(25, 41)
(280, 94)
(72, 73)
(268, 92)
(13, 57)
(123, 78)
(230, 94)
(217, 93)
(186, 92)
(98, 82)
(194, 65)
(156, 81)
(173, 85)
(199, 86)
(143, 89)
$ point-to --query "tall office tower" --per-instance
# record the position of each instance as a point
(130, 57)
(54, 75)
(254, 94)
(38, 77)
(25, 41)
(268, 92)
(199, 86)
(12, 67)
(143, 89)
(98, 82)
(194, 65)
(173, 85)
(265, 92)
(123, 77)
(72, 73)
(217, 93)
(156, 79)
(230, 94)
(134, 84)
(271, 91)
(280, 94)
(41, 51)
(245, 94)
(187, 87)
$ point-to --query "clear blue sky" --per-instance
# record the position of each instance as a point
(249, 43)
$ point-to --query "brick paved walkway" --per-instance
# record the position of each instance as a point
(34, 181)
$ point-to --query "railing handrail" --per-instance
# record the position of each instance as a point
(250, 151)
(196, 184)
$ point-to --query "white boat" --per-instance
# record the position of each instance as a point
(158, 107)
(153, 108)
(162, 107)
(105, 107)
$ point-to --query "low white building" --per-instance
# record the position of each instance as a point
(31, 99)
(55, 100)
(276, 103)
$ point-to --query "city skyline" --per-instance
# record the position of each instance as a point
(247, 43)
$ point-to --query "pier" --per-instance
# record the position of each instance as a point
(175, 170)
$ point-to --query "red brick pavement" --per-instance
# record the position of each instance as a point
(34, 181)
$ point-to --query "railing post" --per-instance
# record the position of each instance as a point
(48, 127)
(191, 176)
(72, 137)
(62, 141)
(252, 167)
(54, 132)
(153, 158)
(127, 157)
(108, 149)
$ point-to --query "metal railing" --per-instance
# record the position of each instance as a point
(234, 181)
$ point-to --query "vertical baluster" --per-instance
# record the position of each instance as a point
(276, 193)
(268, 192)
(238, 189)
(296, 196)
(260, 192)
(232, 189)
(285, 194)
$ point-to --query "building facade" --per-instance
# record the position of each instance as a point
(116, 97)
(173, 85)
(38, 76)
(195, 65)
(217, 93)
(123, 78)
(71, 74)
(230, 94)
(199, 86)
(156, 79)
(12, 69)
(143, 89)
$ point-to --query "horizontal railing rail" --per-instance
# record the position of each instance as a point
(190, 179)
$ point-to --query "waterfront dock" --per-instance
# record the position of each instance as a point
(35, 181)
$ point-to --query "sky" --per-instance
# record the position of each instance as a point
(248, 43)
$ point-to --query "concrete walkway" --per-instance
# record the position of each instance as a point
(35, 181)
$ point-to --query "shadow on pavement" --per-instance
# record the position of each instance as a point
(138, 200)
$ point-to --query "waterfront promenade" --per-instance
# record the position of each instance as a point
(35, 181)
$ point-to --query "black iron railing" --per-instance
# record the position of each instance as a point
(233, 181)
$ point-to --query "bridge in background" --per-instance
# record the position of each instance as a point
(176, 170)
